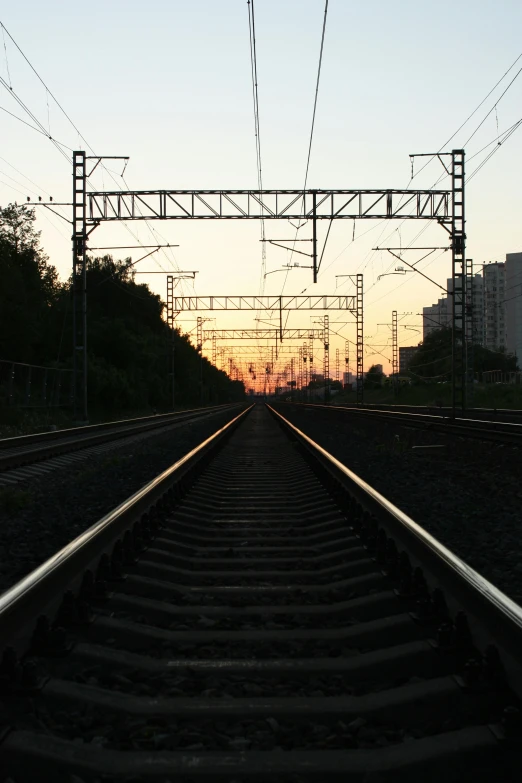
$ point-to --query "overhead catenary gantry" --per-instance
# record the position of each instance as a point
(262, 334)
(353, 304)
(91, 209)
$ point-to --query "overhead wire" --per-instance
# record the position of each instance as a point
(257, 135)
(310, 146)
(80, 135)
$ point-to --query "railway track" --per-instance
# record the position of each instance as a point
(498, 431)
(509, 415)
(257, 613)
(29, 456)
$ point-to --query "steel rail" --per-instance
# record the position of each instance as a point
(505, 432)
(507, 415)
(28, 449)
(40, 590)
(495, 614)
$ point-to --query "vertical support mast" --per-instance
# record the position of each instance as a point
(326, 359)
(170, 323)
(300, 370)
(458, 268)
(337, 364)
(470, 329)
(347, 359)
(199, 337)
(79, 239)
(395, 352)
(314, 234)
(360, 340)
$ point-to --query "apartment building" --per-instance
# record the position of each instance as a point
(513, 304)
(406, 354)
(441, 313)
(436, 316)
(494, 309)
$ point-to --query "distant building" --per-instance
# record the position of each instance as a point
(441, 313)
(436, 316)
(348, 378)
(494, 317)
(513, 304)
(406, 354)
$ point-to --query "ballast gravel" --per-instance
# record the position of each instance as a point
(55, 508)
(468, 493)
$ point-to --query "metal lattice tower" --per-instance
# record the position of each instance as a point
(360, 340)
(79, 221)
(199, 334)
(170, 324)
(347, 358)
(395, 351)
(214, 350)
(326, 358)
(458, 267)
(305, 369)
(470, 328)
(337, 365)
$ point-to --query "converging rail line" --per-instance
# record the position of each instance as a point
(257, 612)
(494, 429)
(28, 456)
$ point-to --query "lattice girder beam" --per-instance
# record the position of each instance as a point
(274, 303)
(257, 351)
(261, 334)
(268, 204)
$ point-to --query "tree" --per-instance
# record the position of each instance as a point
(373, 378)
(29, 288)
(432, 360)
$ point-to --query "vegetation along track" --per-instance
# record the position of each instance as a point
(28, 456)
(257, 613)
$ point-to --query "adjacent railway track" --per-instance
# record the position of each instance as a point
(50, 450)
(483, 429)
(509, 415)
(258, 612)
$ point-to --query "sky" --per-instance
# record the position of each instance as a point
(169, 84)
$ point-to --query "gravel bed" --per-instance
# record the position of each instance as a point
(252, 622)
(235, 734)
(44, 514)
(254, 650)
(193, 684)
(297, 596)
(468, 495)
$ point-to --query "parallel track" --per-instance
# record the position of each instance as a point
(482, 429)
(29, 456)
(259, 613)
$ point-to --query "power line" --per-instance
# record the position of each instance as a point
(42, 132)
(45, 133)
(310, 143)
(316, 94)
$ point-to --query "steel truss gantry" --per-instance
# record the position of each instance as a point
(93, 208)
(262, 334)
(262, 350)
(353, 304)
